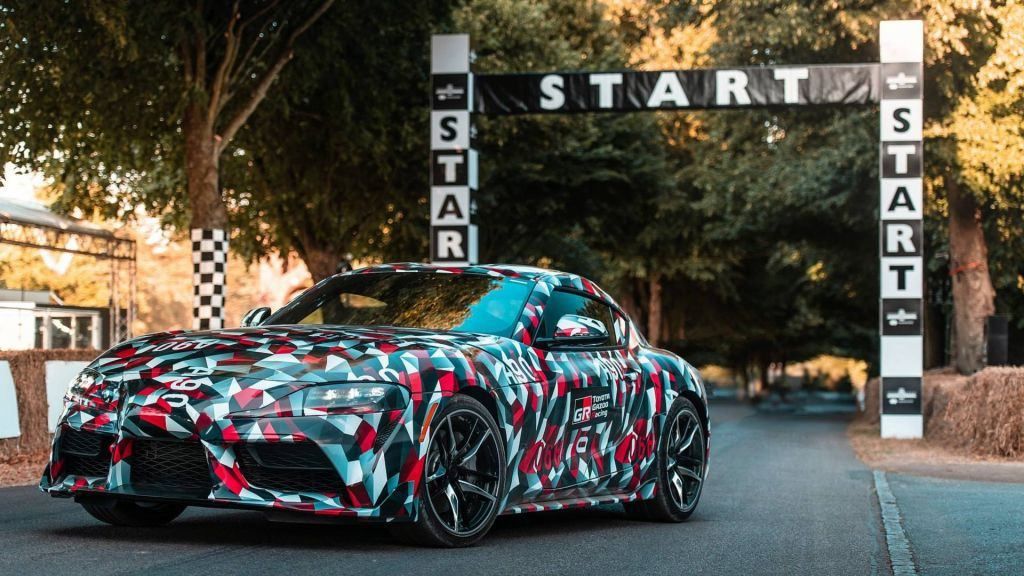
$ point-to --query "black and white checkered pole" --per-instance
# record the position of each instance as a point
(901, 243)
(453, 163)
(209, 263)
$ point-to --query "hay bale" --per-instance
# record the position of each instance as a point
(28, 368)
(982, 415)
(986, 415)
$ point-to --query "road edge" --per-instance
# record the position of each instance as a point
(901, 555)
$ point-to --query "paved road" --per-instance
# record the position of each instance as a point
(786, 496)
(959, 528)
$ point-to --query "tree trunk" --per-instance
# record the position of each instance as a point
(209, 221)
(764, 366)
(320, 262)
(973, 295)
(654, 310)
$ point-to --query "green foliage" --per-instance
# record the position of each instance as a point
(94, 92)
(568, 191)
(759, 224)
(337, 163)
(92, 99)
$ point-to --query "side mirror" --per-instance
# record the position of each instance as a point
(255, 317)
(573, 329)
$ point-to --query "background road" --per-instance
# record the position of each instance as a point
(785, 495)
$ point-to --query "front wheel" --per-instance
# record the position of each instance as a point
(128, 513)
(463, 478)
(680, 468)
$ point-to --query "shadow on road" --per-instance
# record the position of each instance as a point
(221, 528)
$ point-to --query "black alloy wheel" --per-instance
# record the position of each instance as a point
(681, 467)
(463, 480)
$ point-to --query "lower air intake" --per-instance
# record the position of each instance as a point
(166, 466)
(288, 467)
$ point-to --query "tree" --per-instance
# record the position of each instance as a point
(972, 131)
(124, 105)
(336, 165)
(574, 192)
(977, 109)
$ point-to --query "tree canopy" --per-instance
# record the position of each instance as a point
(741, 236)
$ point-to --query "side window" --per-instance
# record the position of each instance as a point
(562, 303)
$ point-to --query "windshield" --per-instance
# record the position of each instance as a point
(459, 302)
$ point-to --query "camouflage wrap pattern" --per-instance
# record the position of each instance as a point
(229, 389)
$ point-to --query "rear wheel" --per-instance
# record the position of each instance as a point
(680, 468)
(128, 513)
(463, 478)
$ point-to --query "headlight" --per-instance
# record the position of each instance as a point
(83, 387)
(340, 398)
(353, 397)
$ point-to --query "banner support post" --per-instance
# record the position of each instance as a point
(453, 162)
(901, 234)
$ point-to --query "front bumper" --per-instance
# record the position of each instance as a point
(368, 467)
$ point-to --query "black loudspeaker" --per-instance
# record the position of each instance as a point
(997, 340)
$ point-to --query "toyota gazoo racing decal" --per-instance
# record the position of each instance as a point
(579, 427)
(590, 407)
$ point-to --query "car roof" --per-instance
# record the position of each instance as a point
(508, 270)
(554, 278)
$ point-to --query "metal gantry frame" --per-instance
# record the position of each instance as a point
(101, 244)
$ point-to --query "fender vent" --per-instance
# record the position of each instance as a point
(384, 432)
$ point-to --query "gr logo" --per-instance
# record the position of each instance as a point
(590, 406)
(583, 410)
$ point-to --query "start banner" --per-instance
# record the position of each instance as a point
(560, 92)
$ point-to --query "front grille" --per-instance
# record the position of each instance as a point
(299, 467)
(170, 466)
(85, 453)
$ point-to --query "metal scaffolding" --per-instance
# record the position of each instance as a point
(31, 226)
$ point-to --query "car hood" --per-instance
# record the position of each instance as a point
(184, 384)
(288, 354)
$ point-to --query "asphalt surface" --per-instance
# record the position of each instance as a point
(785, 495)
(959, 528)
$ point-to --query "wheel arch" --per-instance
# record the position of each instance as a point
(482, 396)
(700, 404)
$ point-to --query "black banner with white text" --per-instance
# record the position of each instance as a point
(498, 94)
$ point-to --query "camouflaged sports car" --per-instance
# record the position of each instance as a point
(431, 398)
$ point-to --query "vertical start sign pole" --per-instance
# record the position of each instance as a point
(901, 309)
(453, 162)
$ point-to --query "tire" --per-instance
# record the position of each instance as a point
(459, 483)
(666, 505)
(129, 513)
